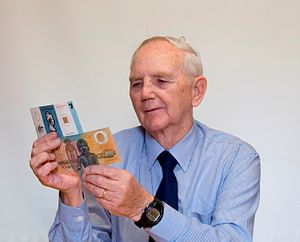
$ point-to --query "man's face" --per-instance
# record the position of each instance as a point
(83, 147)
(160, 89)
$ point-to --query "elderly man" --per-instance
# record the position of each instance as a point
(178, 179)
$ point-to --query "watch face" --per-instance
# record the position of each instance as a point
(153, 214)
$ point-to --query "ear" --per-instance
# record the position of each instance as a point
(198, 90)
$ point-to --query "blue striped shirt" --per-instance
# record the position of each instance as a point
(218, 191)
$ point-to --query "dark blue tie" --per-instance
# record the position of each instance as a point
(167, 190)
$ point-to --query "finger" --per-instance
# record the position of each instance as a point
(101, 181)
(44, 171)
(40, 159)
(47, 145)
(103, 170)
(97, 191)
(106, 201)
(51, 135)
(106, 195)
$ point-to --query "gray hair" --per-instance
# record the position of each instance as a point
(192, 62)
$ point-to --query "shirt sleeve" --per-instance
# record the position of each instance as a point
(72, 224)
(233, 216)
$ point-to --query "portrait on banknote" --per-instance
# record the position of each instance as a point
(50, 121)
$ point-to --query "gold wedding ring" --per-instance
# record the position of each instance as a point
(103, 193)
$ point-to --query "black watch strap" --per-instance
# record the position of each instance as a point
(152, 214)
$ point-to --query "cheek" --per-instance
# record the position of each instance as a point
(134, 99)
(136, 105)
(186, 97)
(180, 102)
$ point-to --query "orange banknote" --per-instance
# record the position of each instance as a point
(85, 149)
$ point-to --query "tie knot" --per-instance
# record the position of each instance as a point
(167, 160)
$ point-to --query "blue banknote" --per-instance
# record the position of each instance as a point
(61, 118)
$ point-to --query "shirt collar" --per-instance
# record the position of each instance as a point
(182, 151)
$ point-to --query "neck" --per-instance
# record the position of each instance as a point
(169, 137)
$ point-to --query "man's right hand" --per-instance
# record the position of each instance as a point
(43, 164)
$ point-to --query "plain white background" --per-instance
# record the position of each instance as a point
(54, 51)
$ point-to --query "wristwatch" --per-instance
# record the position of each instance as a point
(151, 215)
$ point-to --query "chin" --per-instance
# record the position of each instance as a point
(153, 127)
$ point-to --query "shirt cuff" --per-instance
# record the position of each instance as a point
(72, 217)
(170, 227)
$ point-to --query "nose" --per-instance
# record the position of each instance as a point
(147, 91)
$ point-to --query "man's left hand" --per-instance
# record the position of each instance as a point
(117, 190)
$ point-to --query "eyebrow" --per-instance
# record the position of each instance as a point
(155, 75)
(132, 78)
(163, 74)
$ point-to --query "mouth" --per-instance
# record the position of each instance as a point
(151, 110)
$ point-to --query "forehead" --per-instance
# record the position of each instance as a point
(159, 55)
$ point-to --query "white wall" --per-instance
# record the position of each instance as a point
(53, 51)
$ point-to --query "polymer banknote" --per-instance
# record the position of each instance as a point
(61, 118)
(78, 149)
(90, 148)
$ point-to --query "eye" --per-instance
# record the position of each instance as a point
(136, 83)
(161, 80)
